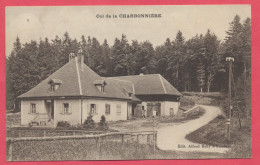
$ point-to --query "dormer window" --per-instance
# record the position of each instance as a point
(100, 84)
(52, 87)
(54, 84)
(102, 88)
(128, 92)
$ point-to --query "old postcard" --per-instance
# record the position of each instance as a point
(128, 82)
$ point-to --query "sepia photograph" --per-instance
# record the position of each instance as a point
(128, 82)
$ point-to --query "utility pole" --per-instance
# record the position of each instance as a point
(230, 60)
(154, 114)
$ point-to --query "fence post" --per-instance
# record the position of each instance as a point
(44, 133)
(74, 133)
(98, 144)
(19, 133)
(13, 135)
(122, 139)
(10, 153)
(155, 142)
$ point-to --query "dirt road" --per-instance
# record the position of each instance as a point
(173, 137)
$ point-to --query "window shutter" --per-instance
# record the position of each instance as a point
(88, 109)
(70, 108)
(61, 108)
(96, 109)
(36, 106)
(29, 108)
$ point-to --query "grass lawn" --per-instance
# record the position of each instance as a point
(87, 150)
(13, 119)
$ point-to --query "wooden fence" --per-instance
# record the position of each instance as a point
(16, 133)
(126, 137)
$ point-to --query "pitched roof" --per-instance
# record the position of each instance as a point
(81, 82)
(125, 86)
(151, 84)
(75, 82)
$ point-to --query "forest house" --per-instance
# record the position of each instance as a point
(75, 91)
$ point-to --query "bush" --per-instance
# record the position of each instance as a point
(186, 102)
(89, 123)
(63, 125)
(102, 124)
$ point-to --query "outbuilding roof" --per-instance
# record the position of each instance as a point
(150, 84)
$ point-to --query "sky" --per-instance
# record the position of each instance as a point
(35, 23)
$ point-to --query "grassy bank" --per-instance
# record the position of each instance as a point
(215, 132)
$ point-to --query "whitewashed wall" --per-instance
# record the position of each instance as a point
(26, 116)
(100, 106)
(170, 104)
(74, 111)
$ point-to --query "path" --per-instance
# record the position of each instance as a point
(173, 137)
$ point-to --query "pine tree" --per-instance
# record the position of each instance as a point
(212, 58)
(178, 58)
(201, 76)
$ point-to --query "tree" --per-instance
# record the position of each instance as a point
(178, 58)
(144, 56)
(106, 65)
(89, 123)
(201, 76)
(212, 58)
(102, 124)
(233, 46)
(119, 52)
(12, 66)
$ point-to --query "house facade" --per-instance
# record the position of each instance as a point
(74, 92)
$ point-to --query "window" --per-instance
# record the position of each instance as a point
(52, 87)
(107, 111)
(65, 108)
(93, 109)
(118, 109)
(33, 108)
(171, 112)
(102, 88)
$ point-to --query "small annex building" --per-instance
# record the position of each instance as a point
(75, 91)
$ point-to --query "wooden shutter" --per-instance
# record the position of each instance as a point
(88, 109)
(70, 108)
(96, 108)
(29, 108)
(61, 108)
(36, 105)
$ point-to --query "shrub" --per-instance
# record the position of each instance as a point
(221, 116)
(89, 123)
(102, 124)
(63, 124)
(186, 102)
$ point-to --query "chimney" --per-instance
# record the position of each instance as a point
(80, 59)
(71, 56)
